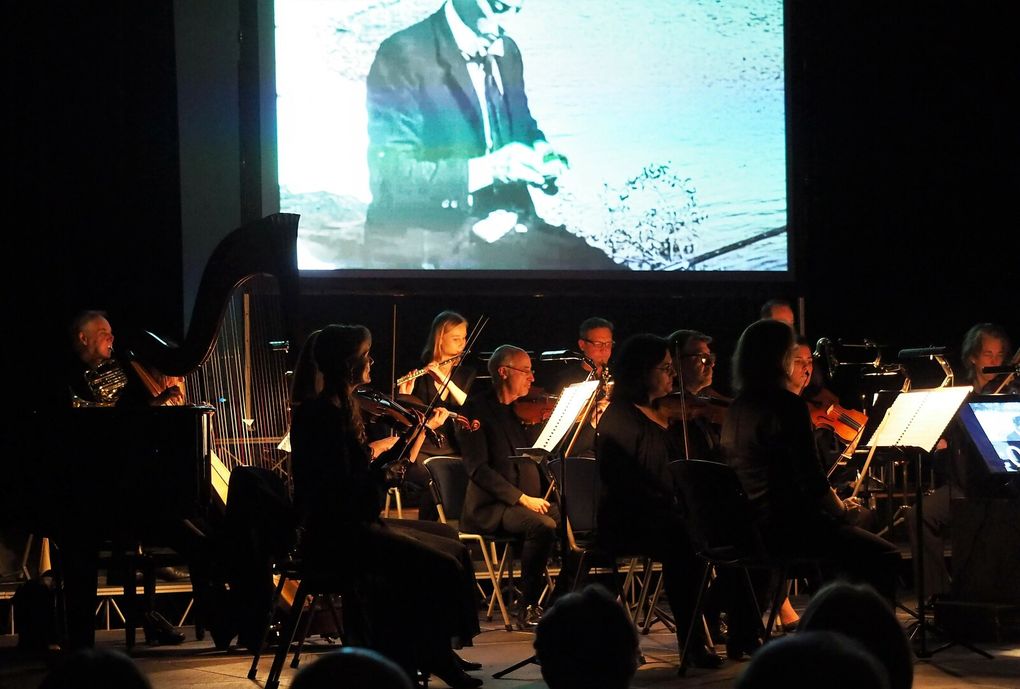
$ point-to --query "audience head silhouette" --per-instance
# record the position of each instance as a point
(96, 667)
(857, 611)
(352, 668)
(808, 660)
(586, 641)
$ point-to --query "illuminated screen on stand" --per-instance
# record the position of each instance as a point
(561, 135)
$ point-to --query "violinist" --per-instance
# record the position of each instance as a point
(338, 486)
(595, 341)
(958, 472)
(504, 495)
(695, 412)
(444, 382)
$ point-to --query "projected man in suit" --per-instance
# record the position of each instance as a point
(453, 150)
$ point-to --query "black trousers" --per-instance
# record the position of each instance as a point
(539, 532)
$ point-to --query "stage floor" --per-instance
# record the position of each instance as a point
(196, 663)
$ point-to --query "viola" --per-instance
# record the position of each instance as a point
(846, 423)
(536, 407)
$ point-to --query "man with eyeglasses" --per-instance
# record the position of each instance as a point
(505, 496)
(595, 341)
(455, 153)
(694, 364)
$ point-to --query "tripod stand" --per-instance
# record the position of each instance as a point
(913, 424)
(920, 628)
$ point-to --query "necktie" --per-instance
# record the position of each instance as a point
(499, 116)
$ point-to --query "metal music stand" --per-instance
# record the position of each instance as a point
(914, 423)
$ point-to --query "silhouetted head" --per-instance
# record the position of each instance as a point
(587, 641)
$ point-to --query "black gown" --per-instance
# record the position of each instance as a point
(416, 595)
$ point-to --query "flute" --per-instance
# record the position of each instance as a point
(422, 371)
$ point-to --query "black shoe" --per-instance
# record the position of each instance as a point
(171, 573)
(467, 665)
(453, 676)
(701, 657)
(527, 618)
(159, 631)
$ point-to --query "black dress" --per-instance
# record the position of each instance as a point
(416, 595)
(637, 510)
(768, 439)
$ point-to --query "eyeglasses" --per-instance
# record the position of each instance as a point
(599, 344)
(369, 359)
(499, 7)
(701, 358)
(525, 371)
(665, 368)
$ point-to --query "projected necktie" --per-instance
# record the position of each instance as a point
(499, 117)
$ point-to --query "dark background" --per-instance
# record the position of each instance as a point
(903, 159)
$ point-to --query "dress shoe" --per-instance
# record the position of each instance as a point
(701, 657)
(450, 672)
(789, 627)
(159, 631)
(527, 618)
(467, 665)
(171, 573)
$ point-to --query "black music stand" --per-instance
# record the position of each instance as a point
(914, 423)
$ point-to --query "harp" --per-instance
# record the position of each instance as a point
(234, 357)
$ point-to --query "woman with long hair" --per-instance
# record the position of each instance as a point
(768, 439)
(444, 381)
(338, 489)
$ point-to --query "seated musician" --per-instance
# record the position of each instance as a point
(595, 341)
(767, 438)
(504, 495)
(441, 356)
(96, 377)
(958, 471)
(695, 414)
(337, 492)
(777, 310)
(637, 511)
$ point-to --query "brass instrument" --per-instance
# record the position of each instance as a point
(105, 382)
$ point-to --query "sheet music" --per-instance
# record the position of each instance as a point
(918, 418)
(572, 401)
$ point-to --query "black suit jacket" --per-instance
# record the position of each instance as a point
(495, 482)
(425, 122)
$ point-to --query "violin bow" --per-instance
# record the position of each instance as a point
(473, 336)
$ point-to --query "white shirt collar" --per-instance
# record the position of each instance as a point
(468, 42)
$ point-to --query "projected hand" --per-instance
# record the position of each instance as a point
(554, 163)
(516, 162)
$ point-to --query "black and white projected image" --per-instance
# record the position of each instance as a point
(533, 134)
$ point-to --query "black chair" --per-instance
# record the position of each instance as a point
(580, 489)
(449, 486)
(721, 528)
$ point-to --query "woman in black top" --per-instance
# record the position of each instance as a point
(443, 347)
(768, 439)
(637, 510)
(416, 601)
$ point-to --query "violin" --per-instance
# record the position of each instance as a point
(711, 407)
(846, 423)
(459, 419)
(534, 408)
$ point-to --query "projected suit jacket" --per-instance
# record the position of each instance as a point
(425, 122)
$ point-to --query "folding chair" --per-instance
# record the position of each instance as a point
(721, 528)
(449, 486)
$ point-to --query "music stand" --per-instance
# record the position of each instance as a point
(574, 406)
(914, 423)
